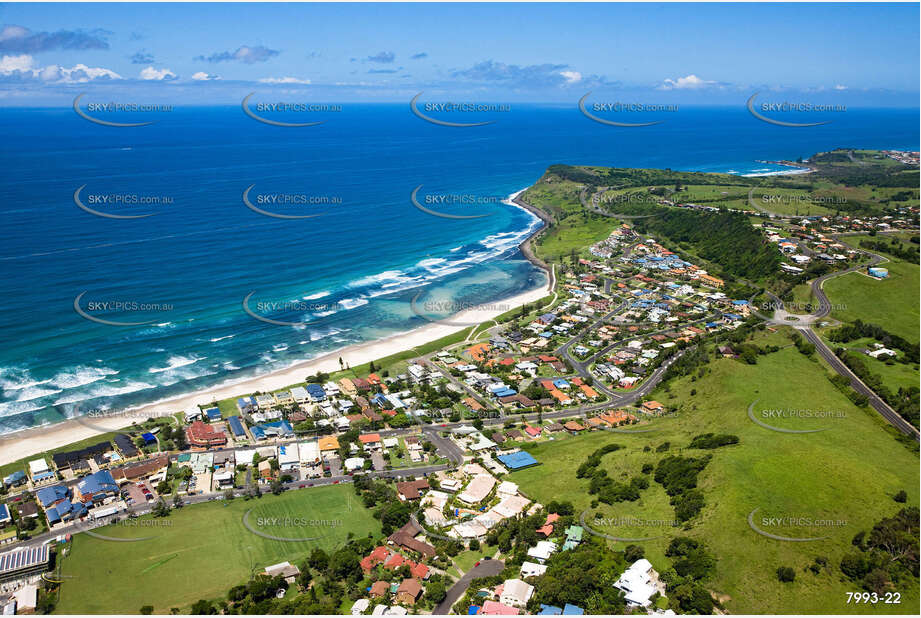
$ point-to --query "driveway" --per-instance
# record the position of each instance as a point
(486, 568)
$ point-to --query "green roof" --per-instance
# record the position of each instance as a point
(184, 457)
(574, 533)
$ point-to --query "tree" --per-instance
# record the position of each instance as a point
(344, 565)
(436, 591)
(901, 496)
(318, 560)
(786, 574)
(632, 553)
(203, 607)
(161, 509)
(147, 610)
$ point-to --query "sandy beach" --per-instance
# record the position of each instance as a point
(21, 444)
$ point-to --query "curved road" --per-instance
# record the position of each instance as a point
(486, 568)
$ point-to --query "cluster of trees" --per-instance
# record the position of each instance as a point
(908, 253)
(887, 558)
(324, 580)
(678, 475)
(517, 535)
(726, 239)
(905, 400)
(713, 440)
(380, 496)
(607, 489)
(692, 565)
(574, 174)
(859, 329)
(583, 576)
(806, 348)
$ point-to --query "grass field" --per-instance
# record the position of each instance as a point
(202, 550)
(847, 473)
(892, 303)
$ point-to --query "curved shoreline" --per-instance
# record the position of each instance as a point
(35, 440)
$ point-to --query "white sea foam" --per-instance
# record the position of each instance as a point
(175, 362)
(351, 303)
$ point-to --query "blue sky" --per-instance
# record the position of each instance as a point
(861, 54)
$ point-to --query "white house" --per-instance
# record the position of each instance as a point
(638, 583)
(516, 592)
(542, 551)
(532, 569)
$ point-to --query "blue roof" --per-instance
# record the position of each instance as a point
(549, 610)
(560, 383)
(15, 477)
(148, 437)
(4, 512)
(278, 428)
(572, 610)
(740, 302)
(213, 413)
(49, 495)
(236, 426)
(98, 482)
(243, 402)
(548, 317)
(505, 392)
(316, 390)
(472, 610)
(514, 461)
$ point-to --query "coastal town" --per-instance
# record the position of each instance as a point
(435, 439)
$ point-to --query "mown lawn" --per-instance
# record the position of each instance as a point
(847, 473)
(202, 550)
(892, 303)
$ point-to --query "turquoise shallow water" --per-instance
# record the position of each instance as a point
(344, 277)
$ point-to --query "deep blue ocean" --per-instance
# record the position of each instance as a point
(346, 276)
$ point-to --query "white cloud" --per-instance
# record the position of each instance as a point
(201, 76)
(13, 32)
(152, 74)
(686, 83)
(24, 67)
(572, 77)
(840, 87)
(283, 80)
(22, 62)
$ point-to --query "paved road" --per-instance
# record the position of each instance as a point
(804, 325)
(876, 402)
(486, 568)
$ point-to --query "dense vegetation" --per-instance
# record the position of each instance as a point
(894, 247)
(886, 559)
(607, 489)
(692, 565)
(678, 475)
(583, 576)
(726, 239)
(713, 440)
(906, 400)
